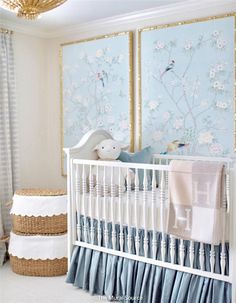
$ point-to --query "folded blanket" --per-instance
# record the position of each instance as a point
(196, 191)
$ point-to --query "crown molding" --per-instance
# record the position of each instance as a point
(158, 15)
(22, 29)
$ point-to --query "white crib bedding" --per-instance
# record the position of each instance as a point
(124, 219)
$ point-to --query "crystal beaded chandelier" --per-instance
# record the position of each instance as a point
(30, 9)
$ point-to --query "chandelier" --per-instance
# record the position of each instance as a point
(30, 9)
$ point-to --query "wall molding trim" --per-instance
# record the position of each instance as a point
(176, 12)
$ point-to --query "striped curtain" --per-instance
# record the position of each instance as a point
(8, 137)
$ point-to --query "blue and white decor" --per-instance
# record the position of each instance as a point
(187, 86)
(97, 88)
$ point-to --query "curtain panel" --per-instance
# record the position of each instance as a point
(8, 136)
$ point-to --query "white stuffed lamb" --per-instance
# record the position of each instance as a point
(109, 150)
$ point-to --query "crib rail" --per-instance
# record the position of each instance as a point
(121, 209)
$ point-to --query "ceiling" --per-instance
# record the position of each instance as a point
(76, 12)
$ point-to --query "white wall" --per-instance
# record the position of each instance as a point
(30, 66)
(38, 77)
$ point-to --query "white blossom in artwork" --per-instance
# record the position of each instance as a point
(212, 73)
(221, 87)
(153, 104)
(166, 116)
(188, 45)
(215, 33)
(108, 107)
(178, 124)
(157, 135)
(222, 104)
(85, 129)
(216, 84)
(100, 123)
(109, 60)
(205, 138)
(160, 45)
(216, 149)
(220, 43)
(99, 53)
(220, 67)
(120, 58)
(124, 124)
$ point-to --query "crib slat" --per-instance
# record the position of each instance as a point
(224, 212)
(212, 258)
(129, 236)
(121, 213)
(113, 193)
(77, 200)
(159, 173)
(191, 253)
(162, 203)
(145, 213)
(228, 190)
(91, 194)
(84, 190)
(223, 259)
(202, 256)
(181, 252)
(172, 249)
(154, 239)
(105, 194)
(98, 199)
(136, 200)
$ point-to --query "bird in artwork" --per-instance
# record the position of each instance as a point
(105, 75)
(100, 78)
(169, 67)
(174, 145)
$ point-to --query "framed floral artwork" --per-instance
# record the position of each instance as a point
(97, 88)
(187, 85)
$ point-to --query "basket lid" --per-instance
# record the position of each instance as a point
(40, 192)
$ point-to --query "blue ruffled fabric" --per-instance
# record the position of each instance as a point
(127, 280)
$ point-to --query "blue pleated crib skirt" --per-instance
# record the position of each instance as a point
(126, 280)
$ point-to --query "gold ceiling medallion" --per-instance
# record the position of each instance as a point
(30, 9)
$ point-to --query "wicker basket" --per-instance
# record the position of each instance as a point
(42, 268)
(41, 224)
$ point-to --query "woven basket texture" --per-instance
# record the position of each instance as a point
(42, 268)
(39, 225)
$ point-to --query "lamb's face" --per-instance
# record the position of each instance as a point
(109, 149)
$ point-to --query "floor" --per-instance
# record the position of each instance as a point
(22, 289)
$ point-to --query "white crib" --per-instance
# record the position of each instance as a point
(140, 209)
